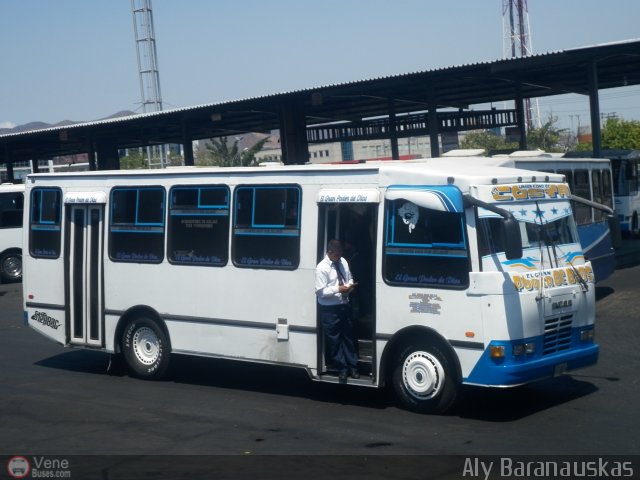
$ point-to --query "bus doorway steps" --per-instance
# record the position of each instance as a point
(365, 357)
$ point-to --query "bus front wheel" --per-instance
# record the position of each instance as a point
(146, 348)
(423, 379)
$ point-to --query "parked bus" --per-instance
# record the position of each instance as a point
(11, 207)
(589, 179)
(468, 274)
(625, 165)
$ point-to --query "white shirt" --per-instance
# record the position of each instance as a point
(327, 282)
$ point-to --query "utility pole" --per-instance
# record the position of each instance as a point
(148, 69)
(517, 43)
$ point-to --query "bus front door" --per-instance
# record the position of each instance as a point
(84, 282)
(355, 225)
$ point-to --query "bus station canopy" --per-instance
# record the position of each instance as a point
(582, 70)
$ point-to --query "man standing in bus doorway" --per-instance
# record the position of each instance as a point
(333, 284)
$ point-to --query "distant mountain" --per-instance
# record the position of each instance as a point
(28, 127)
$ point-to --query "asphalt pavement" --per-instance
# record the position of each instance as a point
(56, 401)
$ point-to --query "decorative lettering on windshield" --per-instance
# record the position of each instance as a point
(536, 191)
(530, 282)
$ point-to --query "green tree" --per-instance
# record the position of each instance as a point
(622, 134)
(547, 137)
(135, 158)
(225, 154)
(488, 140)
(617, 133)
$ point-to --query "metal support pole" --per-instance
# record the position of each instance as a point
(393, 132)
(433, 123)
(293, 134)
(594, 109)
(520, 118)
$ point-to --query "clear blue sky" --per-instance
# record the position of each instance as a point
(76, 59)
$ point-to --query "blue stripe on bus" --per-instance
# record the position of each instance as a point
(512, 371)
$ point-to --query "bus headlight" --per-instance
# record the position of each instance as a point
(523, 349)
(587, 335)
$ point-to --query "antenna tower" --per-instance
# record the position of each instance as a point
(148, 68)
(517, 43)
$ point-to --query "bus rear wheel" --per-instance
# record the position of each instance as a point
(423, 379)
(11, 267)
(145, 348)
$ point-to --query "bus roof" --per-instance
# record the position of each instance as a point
(462, 172)
(520, 161)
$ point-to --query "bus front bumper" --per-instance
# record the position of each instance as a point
(511, 372)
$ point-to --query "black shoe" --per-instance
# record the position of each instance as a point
(353, 373)
(342, 377)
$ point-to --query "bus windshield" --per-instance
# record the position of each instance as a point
(548, 231)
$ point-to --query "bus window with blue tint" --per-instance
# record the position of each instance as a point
(44, 228)
(424, 247)
(266, 227)
(137, 224)
(198, 228)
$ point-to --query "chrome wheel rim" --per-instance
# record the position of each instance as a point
(146, 345)
(12, 266)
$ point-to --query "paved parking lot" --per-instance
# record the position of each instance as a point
(56, 401)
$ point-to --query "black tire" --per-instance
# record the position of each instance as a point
(145, 348)
(424, 379)
(11, 266)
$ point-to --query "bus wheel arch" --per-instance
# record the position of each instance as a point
(143, 341)
(422, 370)
(11, 265)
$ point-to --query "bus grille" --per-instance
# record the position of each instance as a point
(557, 334)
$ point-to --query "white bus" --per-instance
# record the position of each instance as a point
(11, 206)
(466, 274)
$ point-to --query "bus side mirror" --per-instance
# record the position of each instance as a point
(614, 229)
(513, 239)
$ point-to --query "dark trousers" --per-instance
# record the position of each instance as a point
(339, 342)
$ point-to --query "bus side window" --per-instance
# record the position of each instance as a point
(582, 189)
(198, 228)
(607, 189)
(424, 247)
(631, 176)
(596, 182)
(266, 226)
(137, 224)
(44, 227)
(11, 206)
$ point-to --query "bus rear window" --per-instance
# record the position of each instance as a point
(198, 230)
(44, 228)
(266, 227)
(424, 247)
(137, 224)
